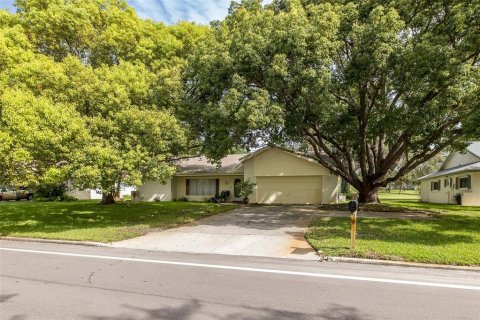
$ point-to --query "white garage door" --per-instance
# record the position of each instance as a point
(289, 190)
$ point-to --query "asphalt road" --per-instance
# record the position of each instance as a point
(49, 281)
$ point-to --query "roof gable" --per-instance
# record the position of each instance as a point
(289, 152)
(458, 162)
(457, 158)
(474, 148)
(279, 162)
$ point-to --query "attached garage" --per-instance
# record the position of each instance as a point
(289, 190)
(284, 177)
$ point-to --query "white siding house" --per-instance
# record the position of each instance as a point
(457, 181)
(93, 194)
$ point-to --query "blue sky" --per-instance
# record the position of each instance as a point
(171, 11)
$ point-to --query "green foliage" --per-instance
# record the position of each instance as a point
(422, 170)
(246, 189)
(89, 92)
(50, 191)
(50, 198)
(380, 87)
(223, 196)
(39, 138)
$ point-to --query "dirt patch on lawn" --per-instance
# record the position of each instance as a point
(377, 207)
(368, 255)
(414, 215)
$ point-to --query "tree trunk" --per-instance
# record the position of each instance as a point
(108, 198)
(368, 195)
(117, 196)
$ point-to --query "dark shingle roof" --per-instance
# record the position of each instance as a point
(229, 164)
(473, 148)
(465, 168)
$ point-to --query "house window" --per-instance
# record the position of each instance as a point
(435, 185)
(464, 182)
(201, 187)
(236, 189)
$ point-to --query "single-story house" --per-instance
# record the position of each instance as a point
(280, 177)
(457, 180)
(93, 194)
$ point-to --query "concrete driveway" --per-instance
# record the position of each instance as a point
(267, 231)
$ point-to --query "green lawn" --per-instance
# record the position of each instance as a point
(87, 220)
(453, 238)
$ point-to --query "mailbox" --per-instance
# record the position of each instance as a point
(352, 206)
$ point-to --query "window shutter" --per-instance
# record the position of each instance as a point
(457, 183)
(439, 185)
(188, 187)
(431, 186)
(469, 183)
(217, 187)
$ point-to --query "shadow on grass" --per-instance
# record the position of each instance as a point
(455, 229)
(52, 217)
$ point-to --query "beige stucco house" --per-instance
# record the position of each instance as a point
(458, 178)
(280, 177)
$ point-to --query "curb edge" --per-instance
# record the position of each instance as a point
(71, 242)
(399, 263)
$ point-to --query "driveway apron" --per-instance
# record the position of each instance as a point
(267, 231)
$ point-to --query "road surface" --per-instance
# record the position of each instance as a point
(50, 281)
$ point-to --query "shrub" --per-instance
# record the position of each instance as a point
(246, 189)
(65, 198)
(223, 196)
(52, 192)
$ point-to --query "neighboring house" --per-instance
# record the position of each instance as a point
(92, 194)
(458, 179)
(280, 176)
(86, 194)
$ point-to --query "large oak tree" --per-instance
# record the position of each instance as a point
(379, 86)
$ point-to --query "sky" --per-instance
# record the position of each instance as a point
(170, 11)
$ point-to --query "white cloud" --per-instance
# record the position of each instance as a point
(171, 11)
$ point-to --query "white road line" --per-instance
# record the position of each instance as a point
(284, 272)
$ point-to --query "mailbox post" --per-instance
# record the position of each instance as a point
(353, 208)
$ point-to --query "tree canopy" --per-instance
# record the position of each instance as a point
(379, 86)
(89, 92)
